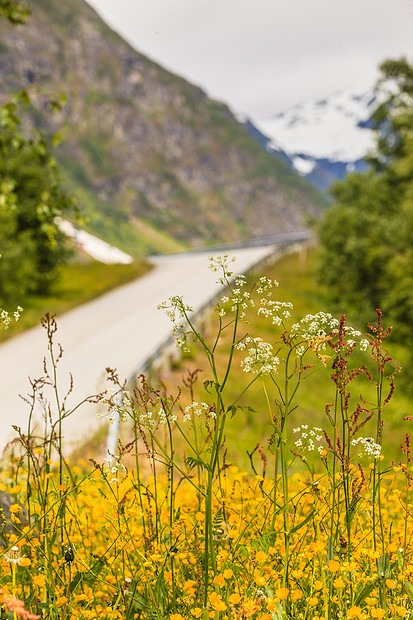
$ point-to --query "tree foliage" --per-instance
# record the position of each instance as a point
(367, 235)
(31, 197)
(14, 12)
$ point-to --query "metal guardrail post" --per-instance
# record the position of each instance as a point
(114, 427)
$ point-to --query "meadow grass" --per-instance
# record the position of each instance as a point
(172, 527)
(298, 284)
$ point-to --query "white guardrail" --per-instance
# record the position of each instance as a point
(165, 354)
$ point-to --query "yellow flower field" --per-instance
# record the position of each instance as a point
(319, 528)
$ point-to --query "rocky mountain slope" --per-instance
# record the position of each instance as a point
(323, 139)
(154, 162)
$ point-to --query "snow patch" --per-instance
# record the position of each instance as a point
(333, 128)
(303, 166)
(94, 247)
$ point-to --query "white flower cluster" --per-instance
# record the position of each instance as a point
(177, 311)
(323, 323)
(5, 318)
(370, 447)
(221, 263)
(196, 409)
(276, 310)
(311, 439)
(235, 297)
(238, 300)
(151, 420)
(241, 300)
(260, 359)
(300, 350)
(113, 466)
(265, 285)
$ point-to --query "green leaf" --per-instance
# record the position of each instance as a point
(278, 613)
(4, 579)
(365, 591)
(192, 462)
(329, 550)
(265, 541)
(269, 592)
(75, 581)
(300, 525)
(159, 589)
(349, 516)
(218, 518)
(208, 384)
(400, 561)
(409, 589)
(383, 566)
(232, 409)
(89, 576)
(140, 603)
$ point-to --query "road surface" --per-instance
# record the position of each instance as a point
(119, 330)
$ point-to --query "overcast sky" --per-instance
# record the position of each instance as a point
(264, 56)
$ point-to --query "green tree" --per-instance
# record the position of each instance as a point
(31, 197)
(366, 255)
(31, 200)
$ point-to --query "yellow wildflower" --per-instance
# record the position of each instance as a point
(282, 593)
(333, 566)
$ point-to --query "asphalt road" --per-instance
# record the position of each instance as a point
(119, 330)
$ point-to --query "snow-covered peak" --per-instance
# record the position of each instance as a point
(335, 128)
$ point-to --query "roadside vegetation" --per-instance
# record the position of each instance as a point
(297, 275)
(175, 525)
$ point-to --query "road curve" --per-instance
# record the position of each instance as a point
(120, 330)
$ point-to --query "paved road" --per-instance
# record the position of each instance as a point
(120, 330)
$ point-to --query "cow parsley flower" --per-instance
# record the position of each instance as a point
(152, 419)
(317, 329)
(368, 445)
(112, 467)
(309, 439)
(177, 311)
(5, 318)
(265, 285)
(260, 358)
(196, 409)
(221, 263)
(278, 311)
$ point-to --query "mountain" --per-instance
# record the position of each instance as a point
(156, 165)
(322, 139)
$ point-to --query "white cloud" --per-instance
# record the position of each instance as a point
(262, 56)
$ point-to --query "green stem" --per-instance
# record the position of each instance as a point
(13, 570)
